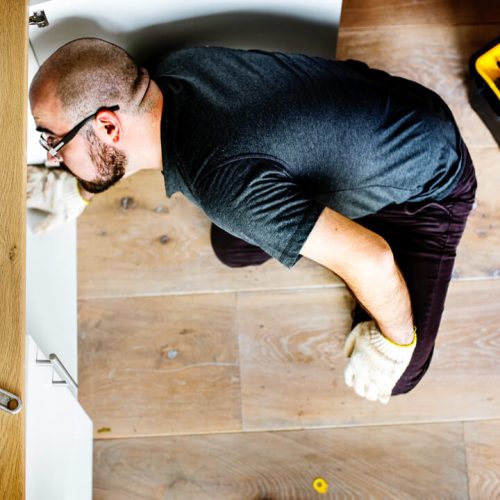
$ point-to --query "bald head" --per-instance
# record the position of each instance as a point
(75, 83)
(88, 73)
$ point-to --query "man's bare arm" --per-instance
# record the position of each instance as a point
(365, 262)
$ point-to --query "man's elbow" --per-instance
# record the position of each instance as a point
(345, 247)
(385, 257)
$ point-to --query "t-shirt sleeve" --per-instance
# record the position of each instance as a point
(259, 202)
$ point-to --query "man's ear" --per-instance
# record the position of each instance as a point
(108, 126)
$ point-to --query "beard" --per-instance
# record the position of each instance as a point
(109, 161)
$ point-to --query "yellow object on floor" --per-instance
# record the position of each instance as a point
(320, 485)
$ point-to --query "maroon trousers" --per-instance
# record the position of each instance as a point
(423, 237)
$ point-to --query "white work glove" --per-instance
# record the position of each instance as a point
(375, 362)
(56, 191)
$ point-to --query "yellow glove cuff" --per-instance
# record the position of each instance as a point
(80, 193)
(411, 344)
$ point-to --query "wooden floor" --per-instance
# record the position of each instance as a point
(209, 382)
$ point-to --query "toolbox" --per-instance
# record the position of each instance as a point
(484, 68)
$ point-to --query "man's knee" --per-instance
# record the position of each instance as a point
(228, 259)
(233, 251)
(222, 246)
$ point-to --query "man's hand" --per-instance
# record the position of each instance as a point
(55, 191)
(375, 363)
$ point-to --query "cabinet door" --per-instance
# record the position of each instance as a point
(51, 290)
(13, 91)
(58, 436)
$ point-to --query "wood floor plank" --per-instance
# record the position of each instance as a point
(433, 55)
(292, 362)
(369, 13)
(159, 365)
(290, 350)
(403, 462)
(482, 445)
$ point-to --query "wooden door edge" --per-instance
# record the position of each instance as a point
(13, 105)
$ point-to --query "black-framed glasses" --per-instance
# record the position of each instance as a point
(53, 148)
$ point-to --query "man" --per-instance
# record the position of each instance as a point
(290, 156)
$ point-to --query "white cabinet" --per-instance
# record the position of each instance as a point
(58, 436)
(59, 433)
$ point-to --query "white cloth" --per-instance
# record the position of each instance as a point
(55, 191)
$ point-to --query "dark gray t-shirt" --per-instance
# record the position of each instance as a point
(263, 141)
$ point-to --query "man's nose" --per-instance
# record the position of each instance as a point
(54, 160)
